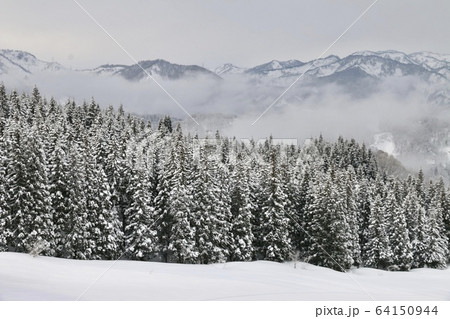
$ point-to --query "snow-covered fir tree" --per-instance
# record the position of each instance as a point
(348, 188)
(418, 228)
(378, 252)
(105, 231)
(27, 200)
(437, 250)
(242, 248)
(330, 242)
(275, 214)
(211, 214)
(182, 230)
(402, 256)
(75, 227)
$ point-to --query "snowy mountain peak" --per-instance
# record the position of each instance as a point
(425, 59)
(387, 54)
(229, 68)
(436, 56)
(17, 55)
(275, 65)
(433, 61)
(21, 62)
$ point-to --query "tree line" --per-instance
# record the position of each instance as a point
(96, 183)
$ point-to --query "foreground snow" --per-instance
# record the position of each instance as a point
(23, 277)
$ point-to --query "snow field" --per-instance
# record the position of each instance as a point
(23, 277)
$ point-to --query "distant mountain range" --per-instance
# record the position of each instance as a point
(20, 63)
(354, 67)
(358, 73)
(365, 64)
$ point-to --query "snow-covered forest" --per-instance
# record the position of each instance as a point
(81, 182)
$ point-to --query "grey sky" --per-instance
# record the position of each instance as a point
(213, 32)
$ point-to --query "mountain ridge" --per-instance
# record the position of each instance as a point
(375, 64)
(21, 63)
(160, 67)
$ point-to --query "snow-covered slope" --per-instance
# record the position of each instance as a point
(14, 62)
(161, 68)
(23, 277)
(385, 142)
(431, 60)
(276, 68)
(229, 68)
(108, 69)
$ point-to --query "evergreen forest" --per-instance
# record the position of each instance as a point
(92, 183)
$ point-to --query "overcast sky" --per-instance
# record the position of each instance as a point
(212, 32)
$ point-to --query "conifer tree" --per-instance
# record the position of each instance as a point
(27, 196)
(60, 190)
(412, 207)
(256, 176)
(275, 241)
(364, 201)
(140, 236)
(182, 239)
(398, 233)
(330, 233)
(241, 209)
(4, 108)
(437, 251)
(105, 232)
(377, 250)
(348, 191)
(111, 154)
(74, 222)
(175, 222)
(163, 218)
(211, 220)
(418, 228)
(302, 182)
(443, 196)
(308, 227)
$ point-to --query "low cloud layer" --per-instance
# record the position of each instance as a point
(400, 106)
(335, 113)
